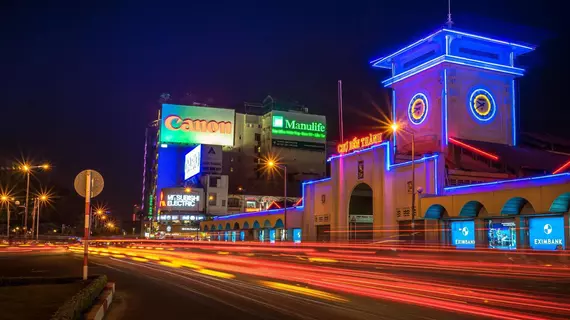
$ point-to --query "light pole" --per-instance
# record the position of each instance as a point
(5, 198)
(28, 169)
(395, 127)
(273, 164)
(42, 199)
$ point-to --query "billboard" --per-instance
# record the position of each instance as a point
(298, 130)
(192, 162)
(463, 234)
(196, 125)
(546, 233)
(179, 199)
(502, 234)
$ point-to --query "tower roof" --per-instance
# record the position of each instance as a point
(386, 62)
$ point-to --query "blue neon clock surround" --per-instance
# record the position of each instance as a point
(415, 101)
(481, 98)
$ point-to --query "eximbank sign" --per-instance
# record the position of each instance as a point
(197, 125)
(292, 125)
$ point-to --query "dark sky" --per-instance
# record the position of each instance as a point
(79, 83)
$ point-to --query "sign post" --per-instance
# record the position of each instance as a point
(88, 184)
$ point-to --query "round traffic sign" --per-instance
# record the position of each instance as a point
(97, 183)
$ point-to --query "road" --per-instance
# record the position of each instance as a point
(265, 282)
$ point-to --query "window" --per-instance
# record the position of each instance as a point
(234, 203)
(231, 169)
(213, 181)
(257, 137)
(212, 198)
(223, 203)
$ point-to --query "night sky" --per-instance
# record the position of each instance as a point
(79, 84)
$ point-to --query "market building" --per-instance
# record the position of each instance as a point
(452, 172)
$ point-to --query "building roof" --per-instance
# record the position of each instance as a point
(522, 158)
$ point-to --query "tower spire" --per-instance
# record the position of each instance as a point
(449, 22)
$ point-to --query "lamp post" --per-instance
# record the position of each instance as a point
(5, 198)
(28, 169)
(395, 128)
(273, 164)
(42, 199)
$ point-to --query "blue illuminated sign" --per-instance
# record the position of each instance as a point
(463, 234)
(233, 236)
(546, 233)
(272, 235)
(297, 235)
(502, 234)
(242, 236)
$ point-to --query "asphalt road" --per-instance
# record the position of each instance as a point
(149, 288)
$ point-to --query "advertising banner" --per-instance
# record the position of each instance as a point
(287, 127)
(205, 159)
(463, 234)
(192, 162)
(179, 199)
(502, 234)
(188, 125)
(546, 233)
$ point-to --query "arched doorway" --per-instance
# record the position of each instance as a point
(360, 213)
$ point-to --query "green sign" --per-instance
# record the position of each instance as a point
(292, 127)
(197, 125)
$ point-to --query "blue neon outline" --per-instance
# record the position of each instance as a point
(489, 95)
(407, 163)
(380, 62)
(447, 44)
(514, 118)
(441, 59)
(445, 105)
(436, 172)
(254, 214)
(394, 120)
(476, 62)
(483, 184)
(423, 97)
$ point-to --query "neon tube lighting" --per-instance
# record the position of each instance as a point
(394, 114)
(377, 62)
(253, 214)
(436, 173)
(485, 62)
(402, 164)
(472, 148)
(316, 181)
(445, 105)
(514, 111)
(276, 204)
(562, 168)
(489, 39)
(450, 59)
(551, 176)
(298, 202)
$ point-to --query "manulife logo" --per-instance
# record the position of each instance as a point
(282, 125)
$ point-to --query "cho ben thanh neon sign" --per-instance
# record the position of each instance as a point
(359, 143)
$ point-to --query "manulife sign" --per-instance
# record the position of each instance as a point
(283, 125)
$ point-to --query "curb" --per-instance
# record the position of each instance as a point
(99, 310)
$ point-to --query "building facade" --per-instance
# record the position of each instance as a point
(452, 173)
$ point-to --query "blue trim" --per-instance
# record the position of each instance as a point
(445, 106)
(357, 151)
(514, 111)
(394, 120)
(455, 60)
(551, 176)
(436, 175)
(383, 62)
(254, 214)
(402, 164)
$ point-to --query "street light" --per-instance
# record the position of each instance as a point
(5, 198)
(395, 128)
(27, 169)
(272, 164)
(44, 197)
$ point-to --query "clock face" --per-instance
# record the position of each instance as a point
(418, 108)
(482, 105)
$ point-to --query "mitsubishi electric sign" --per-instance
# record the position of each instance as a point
(298, 130)
(181, 199)
(546, 233)
(463, 234)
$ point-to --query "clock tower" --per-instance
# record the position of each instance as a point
(453, 84)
